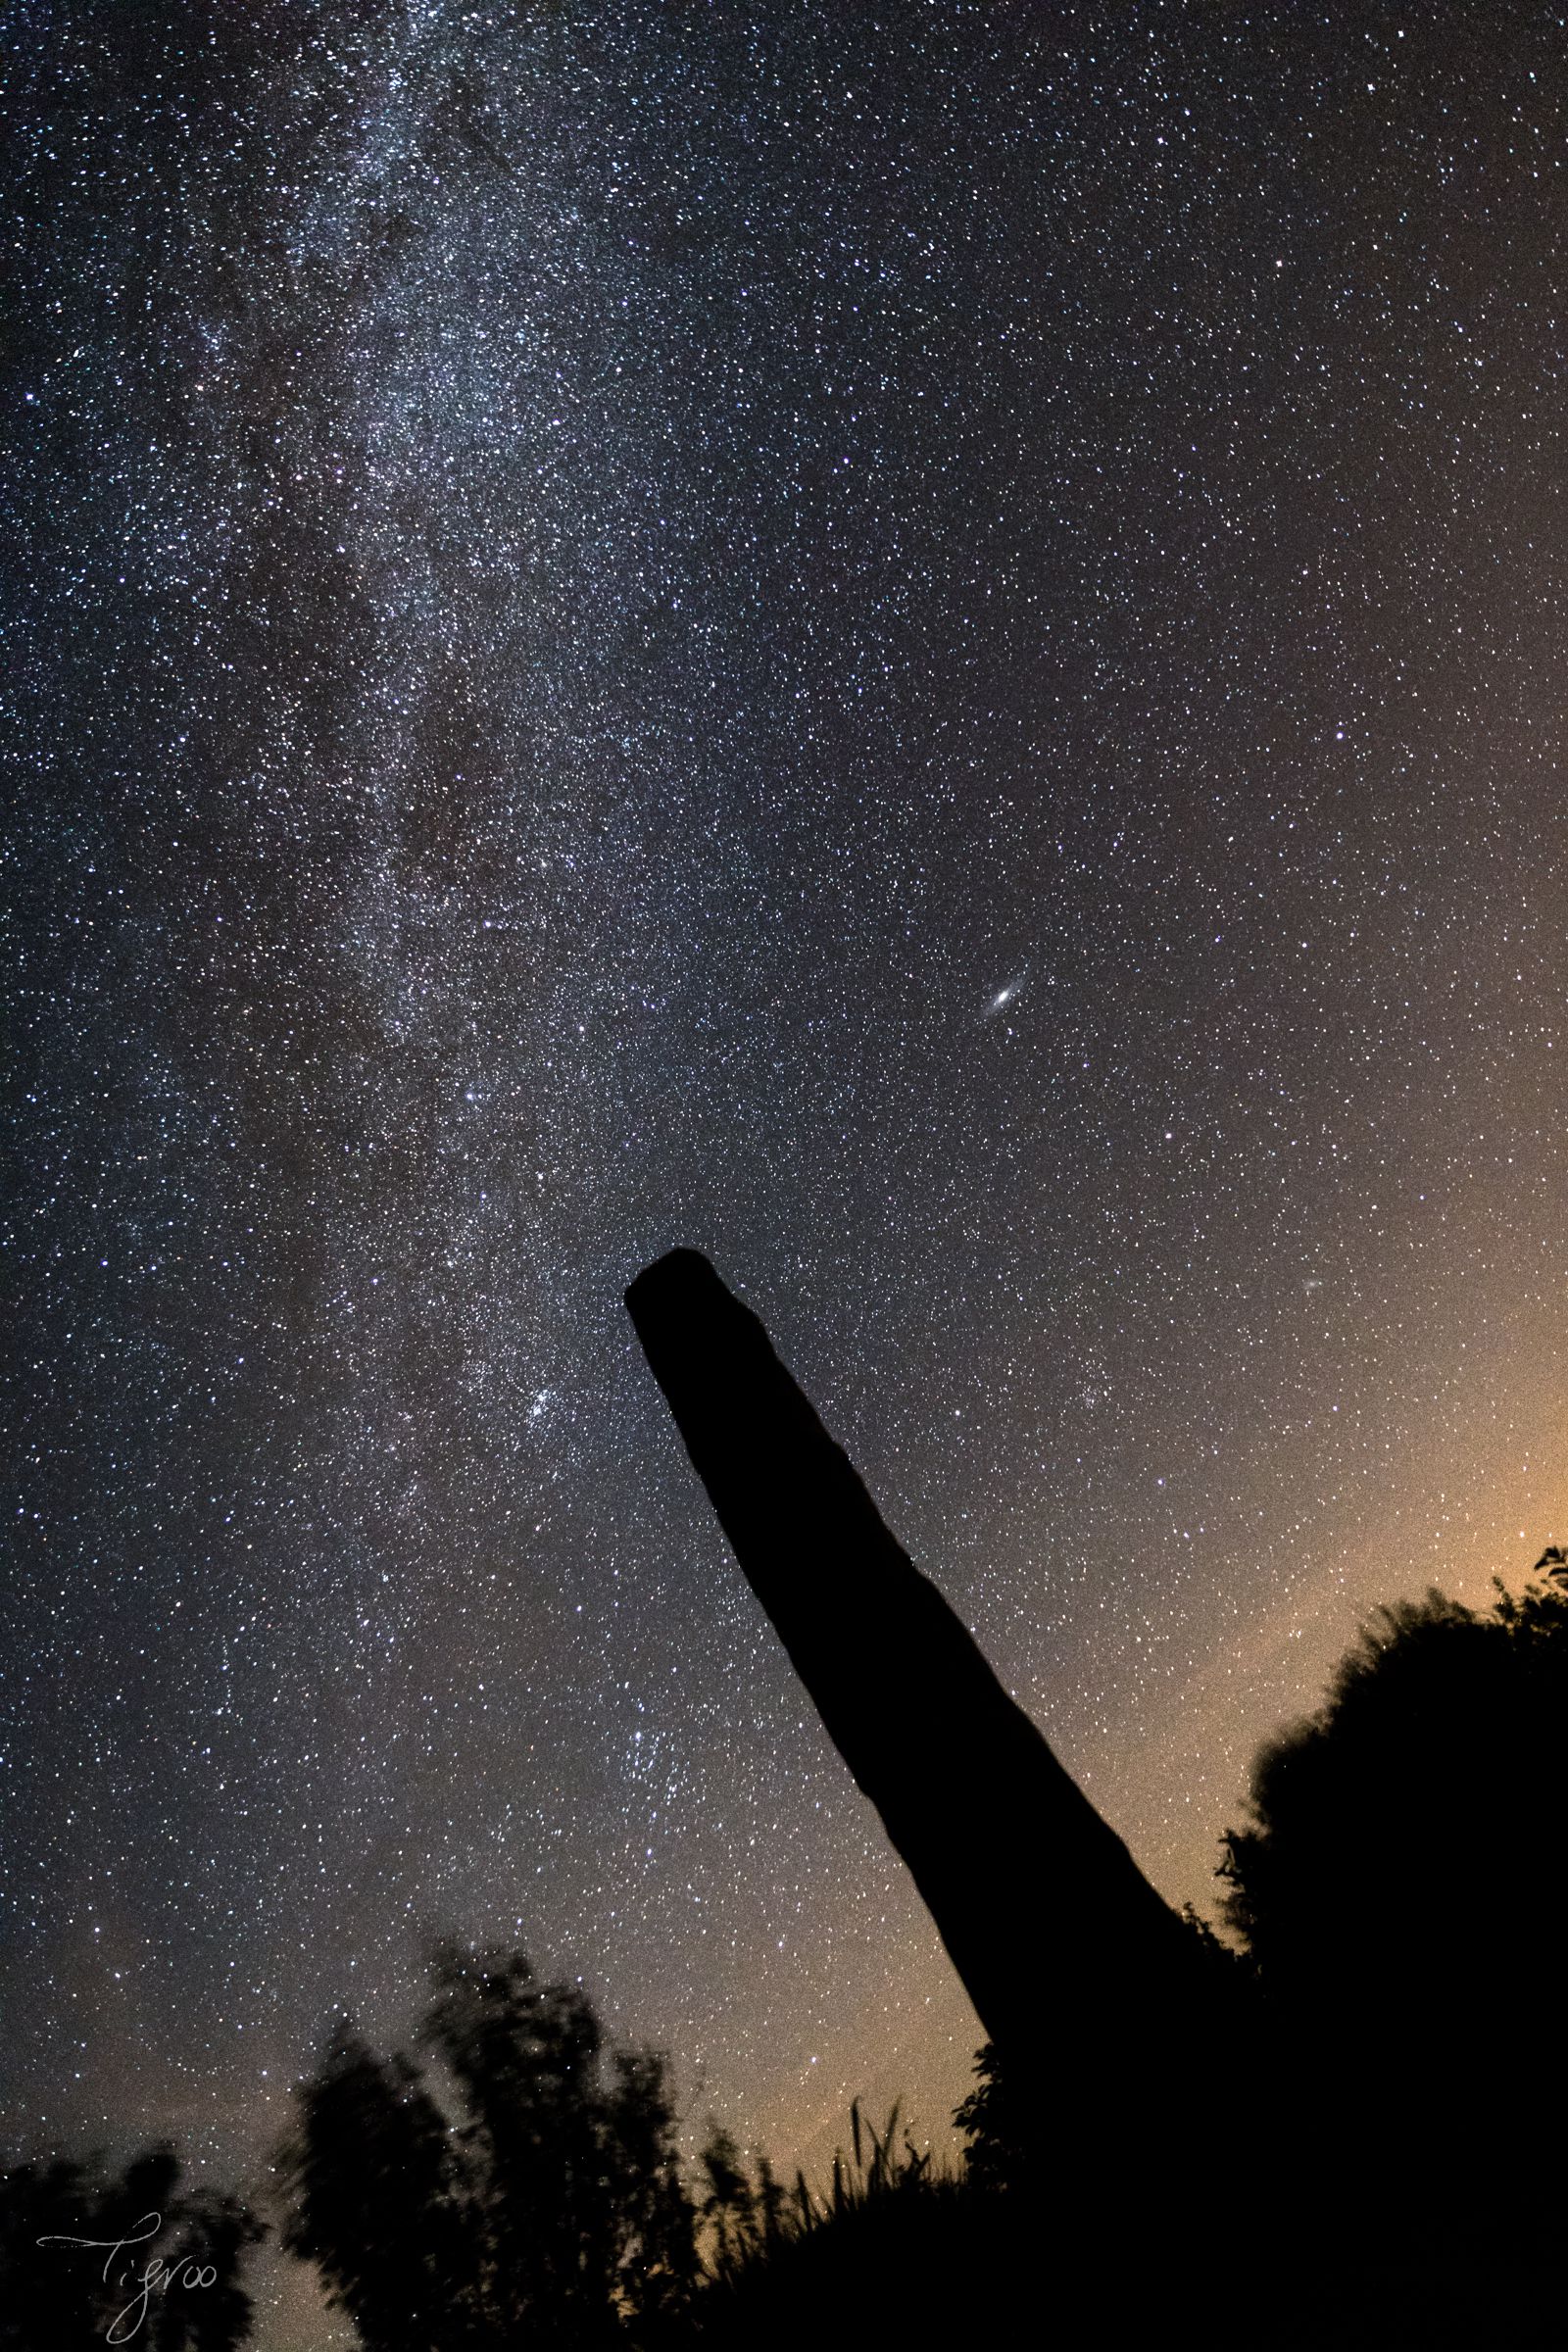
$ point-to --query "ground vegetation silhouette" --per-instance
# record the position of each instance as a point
(891, 2246)
(525, 2187)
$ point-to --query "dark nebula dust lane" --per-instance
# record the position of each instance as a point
(920, 647)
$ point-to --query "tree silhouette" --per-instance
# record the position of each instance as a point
(542, 2161)
(376, 2201)
(657, 2224)
(214, 2231)
(537, 2197)
(162, 2266)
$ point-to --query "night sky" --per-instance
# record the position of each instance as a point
(922, 647)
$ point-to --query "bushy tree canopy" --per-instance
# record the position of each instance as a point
(532, 2193)
(1404, 1845)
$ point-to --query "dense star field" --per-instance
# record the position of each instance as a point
(922, 647)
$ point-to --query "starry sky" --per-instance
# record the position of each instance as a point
(920, 644)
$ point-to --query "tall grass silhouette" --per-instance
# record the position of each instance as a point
(892, 2241)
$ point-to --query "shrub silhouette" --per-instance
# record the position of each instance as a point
(1400, 1840)
(1396, 1888)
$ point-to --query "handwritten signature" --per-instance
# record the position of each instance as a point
(158, 2273)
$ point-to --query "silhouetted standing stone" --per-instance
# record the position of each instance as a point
(1093, 1991)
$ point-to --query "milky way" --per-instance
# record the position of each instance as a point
(923, 647)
